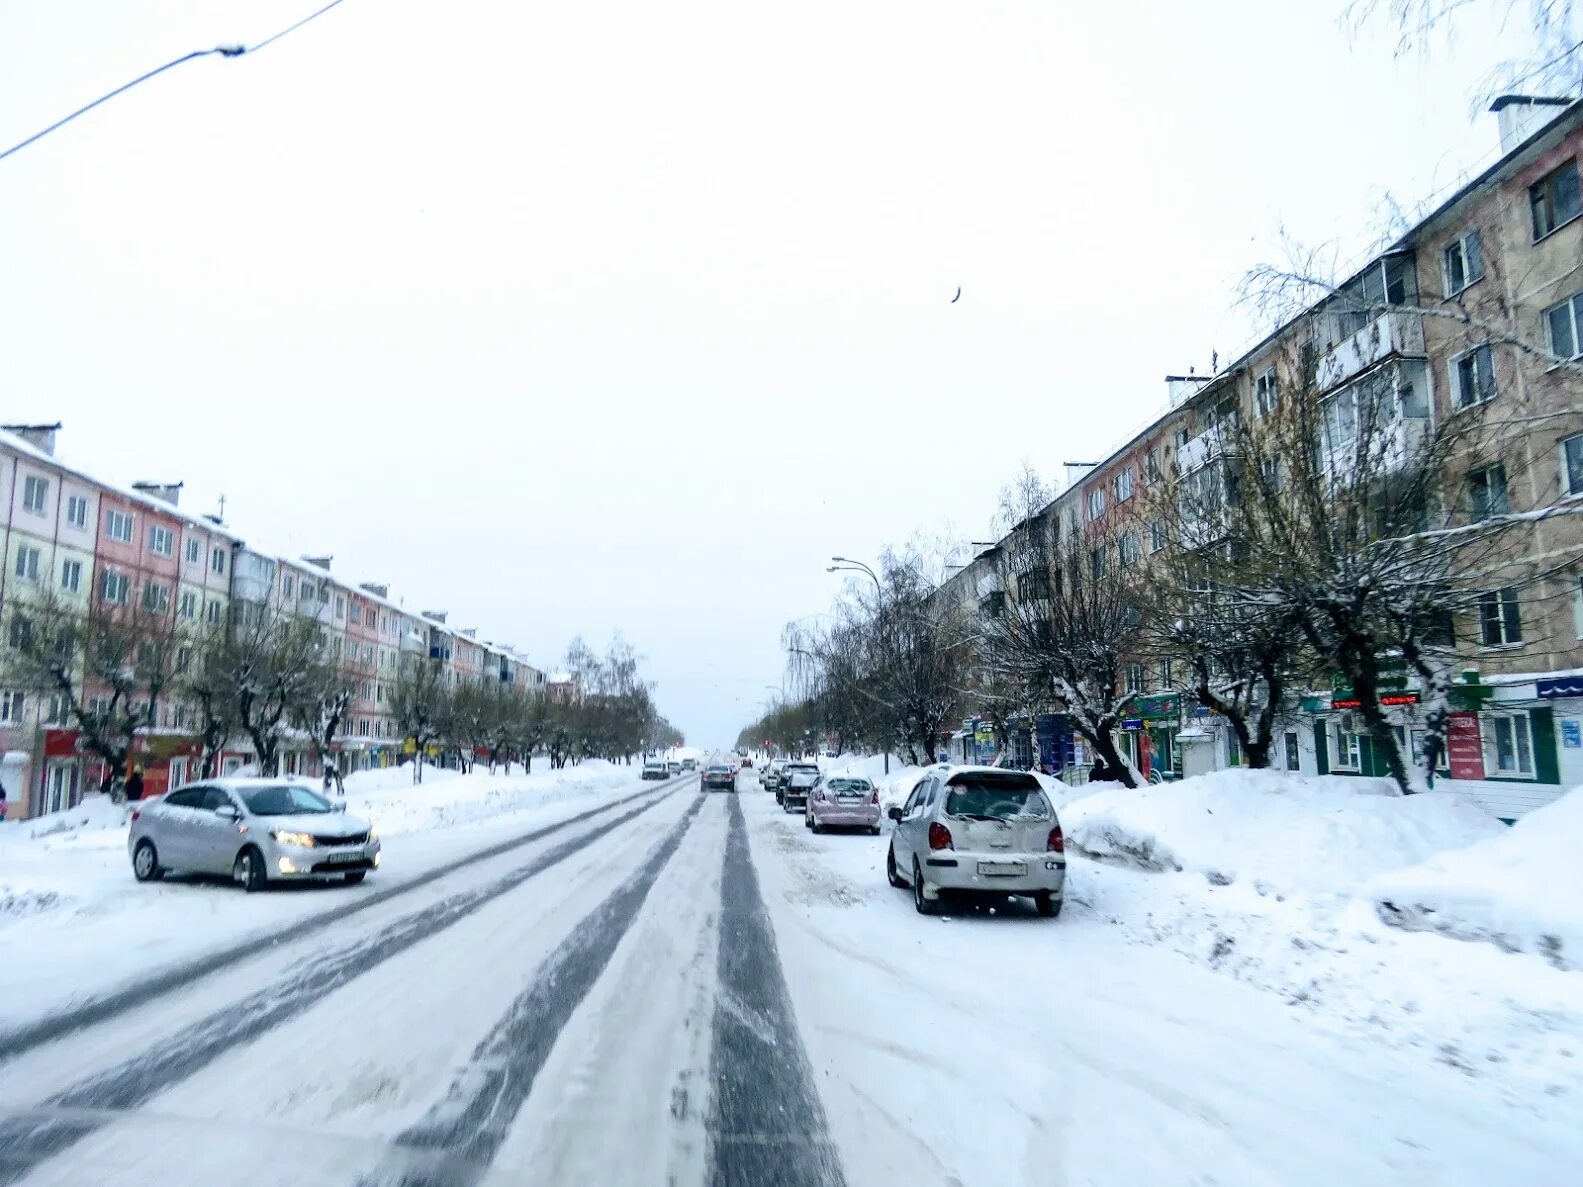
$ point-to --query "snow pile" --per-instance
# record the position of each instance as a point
(1521, 890)
(1317, 834)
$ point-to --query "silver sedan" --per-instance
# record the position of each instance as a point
(257, 830)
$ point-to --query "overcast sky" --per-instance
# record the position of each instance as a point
(616, 315)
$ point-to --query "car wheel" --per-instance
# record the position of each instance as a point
(891, 872)
(145, 862)
(355, 877)
(815, 824)
(1048, 905)
(248, 869)
(874, 828)
(921, 904)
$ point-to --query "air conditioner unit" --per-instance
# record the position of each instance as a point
(1349, 723)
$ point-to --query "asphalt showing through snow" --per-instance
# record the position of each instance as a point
(766, 1125)
(72, 1115)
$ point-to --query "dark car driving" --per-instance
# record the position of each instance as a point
(719, 776)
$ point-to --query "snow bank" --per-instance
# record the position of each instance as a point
(1521, 890)
(1274, 829)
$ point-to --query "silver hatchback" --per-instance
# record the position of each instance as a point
(980, 831)
(257, 830)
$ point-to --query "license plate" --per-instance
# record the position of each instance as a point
(1002, 869)
(339, 857)
(849, 800)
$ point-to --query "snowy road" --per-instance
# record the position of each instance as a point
(674, 988)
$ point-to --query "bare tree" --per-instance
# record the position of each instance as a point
(419, 697)
(205, 678)
(328, 688)
(275, 654)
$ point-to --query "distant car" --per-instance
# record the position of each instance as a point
(689, 764)
(770, 776)
(747, 764)
(673, 767)
(795, 791)
(843, 801)
(656, 769)
(790, 769)
(719, 775)
(257, 830)
(980, 831)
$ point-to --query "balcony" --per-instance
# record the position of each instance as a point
(1378, 424)
(1387, 335)
(1202, 449)
(415, 642)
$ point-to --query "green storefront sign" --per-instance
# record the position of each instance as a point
(1167, 707)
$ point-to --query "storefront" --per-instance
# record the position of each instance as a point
(1148, 737)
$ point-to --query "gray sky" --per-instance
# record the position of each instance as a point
(621, 315)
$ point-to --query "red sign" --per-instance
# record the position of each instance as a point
(1386, 700)
(1464, 747)
(60, 743)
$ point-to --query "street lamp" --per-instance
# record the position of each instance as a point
(844, 564)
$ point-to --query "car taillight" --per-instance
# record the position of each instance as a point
(874, 799)
(1056, 842)
(939, 836)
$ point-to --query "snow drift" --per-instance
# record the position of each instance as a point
(1521, 890)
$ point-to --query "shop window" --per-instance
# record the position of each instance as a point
(1293, 754)
(1511, 739)
(1346, 749)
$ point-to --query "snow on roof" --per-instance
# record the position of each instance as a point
(33, 453)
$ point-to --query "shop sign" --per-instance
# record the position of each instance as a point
(1565, 686)
(61, 743)
(1159, 708)
(1571, 733)
(1464, 746)
(1389, 700)
(1132, 723)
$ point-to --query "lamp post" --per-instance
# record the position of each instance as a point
(843, 564)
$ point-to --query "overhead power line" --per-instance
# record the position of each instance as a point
(224, 51)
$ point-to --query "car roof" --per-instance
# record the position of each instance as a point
(235, 783)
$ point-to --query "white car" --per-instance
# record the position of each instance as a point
(979, 831)
(656, 769)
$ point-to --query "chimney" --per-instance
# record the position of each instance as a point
(165, 492)
(319, 562)
(40, 437)
(379, 591)
(471, 632)
(435, 615)
(1183, 387)
(1520, 116)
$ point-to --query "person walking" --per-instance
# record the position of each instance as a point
(2, 805)
(134, 785)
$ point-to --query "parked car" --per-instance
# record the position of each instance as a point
(978, 831)
(656, 769)
(843, 801)
(770, 776)
(787, 771)
(674, 767)
(689, 764)
(257, 830)
(796, 787)
(719, 774)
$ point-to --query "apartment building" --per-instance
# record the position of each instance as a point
(1478, 307)
(81, 538)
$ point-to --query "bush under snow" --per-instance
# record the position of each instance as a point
(1315, 834)
(1521, 890)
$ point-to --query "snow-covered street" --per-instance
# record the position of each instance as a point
(576, 977)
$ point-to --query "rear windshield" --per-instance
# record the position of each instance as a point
(285, 800)
(804, 777)
(839, 785)
(996, 797)
(717, 769)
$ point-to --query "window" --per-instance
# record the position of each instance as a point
(1561, 325)
(1096, 502)
(71, 576)
(305, 588)
(20, 633)
(77, 511)
(27, 564)
(189, 604)
(1292, 760)
(1182, 437)
(161, 541)
(156, 597)
(1162, 673)
(1156, 535)
(1554, 199)
(340, 606)
(35, 492)
(1513, 744)
(1462, 263)
(194, 550)
(1473, 377)
(1126, 549)
(287, 585)
(1500, 621)
(211, 613)
(1096, 562)
(1151, 467)
(324, 595)
(118, 526)
(1572, 465)
(114, 587)
(217, 560)
(12, 703)
(1265, 394)
(1135, 680)
(1487, 492)
(1123, 482)
(1345, 749)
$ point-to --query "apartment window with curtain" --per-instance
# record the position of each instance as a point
(1162, 673)
(1572, 465)
(1135, 678)
(77, 511)
(1561, 326)
(1265, 393)
(1473, 377)
(1554, 200)
(1096, 502)
(1500, 618)
(27, 564)
(1462, 263)
(1124, 485)
(35, 494)
(1487, 492)
(118, 526)
(71, 576)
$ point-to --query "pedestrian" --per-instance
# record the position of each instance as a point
(1100, 772)
(2, 805)
(134, 785)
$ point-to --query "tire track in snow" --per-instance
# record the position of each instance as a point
(48, 1029)
(26, 1140)
(467, 1127)
(767, 1127)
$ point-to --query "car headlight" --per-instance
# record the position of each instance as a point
(373, 835)
(287, 837)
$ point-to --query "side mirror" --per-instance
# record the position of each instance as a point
(227, 812)
(894, 811)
